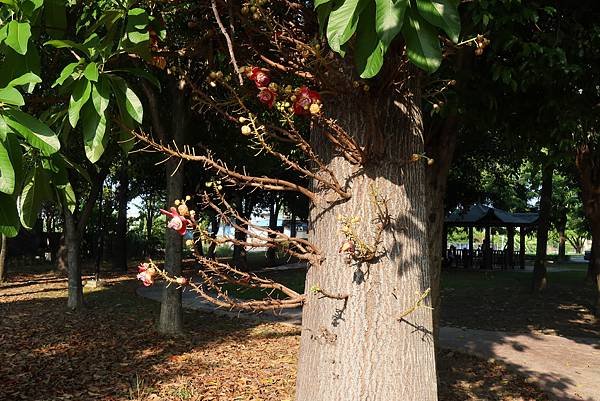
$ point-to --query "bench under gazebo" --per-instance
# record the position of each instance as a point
(484, 217)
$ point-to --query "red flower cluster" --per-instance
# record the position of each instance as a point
(177, 222)
(267, 96)
(146, 273)
(304, 99)
(260, 77)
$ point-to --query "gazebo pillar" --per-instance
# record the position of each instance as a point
(471, 250)
(510, 247)
(522, 247)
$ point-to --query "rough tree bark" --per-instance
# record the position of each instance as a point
(539, 268)
(171, 311)
(119, 261)
(440, 145)
(3, 248)
(588, 166)
(360, 349)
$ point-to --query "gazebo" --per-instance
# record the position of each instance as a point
(485, 217)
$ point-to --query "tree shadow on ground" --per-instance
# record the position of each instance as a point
(503, 301)
(562, 367)
(106, 351)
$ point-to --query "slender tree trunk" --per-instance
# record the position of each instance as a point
(539, 268)
(240, 259)
(73, 241)
(274, 209)
(100, 242)
(562, 245)
(3, 249)
(171, 311)
(360, 349)
(120, 244)
(293, 229)
(588, 165)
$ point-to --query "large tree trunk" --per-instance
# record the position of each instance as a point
(171, 312)
(72, 242)
(539, 268)
(588, 165)
(360, 349)
(120, 243)
(3, 247)
(440, 144)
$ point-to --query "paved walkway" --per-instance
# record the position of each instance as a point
(567, 368)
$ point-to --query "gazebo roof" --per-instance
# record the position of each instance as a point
(480, 215)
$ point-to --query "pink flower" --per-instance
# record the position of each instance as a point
(182, 280)
(267, 96)
(177, 222)
(304, 98)
(260, 77)
(146, 277)
(143, 267)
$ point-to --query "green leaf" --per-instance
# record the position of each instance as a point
(18, 35)
(16, 65)
(95, 138)
(66, 196)
(422, 44)
(30, 6)
(342, 22)
(137, 26)
(9, 217)
(320, 3)
(80, 95)
(4, 130)
(137, 18)
(389, 18)
(25, 79)
(3, 32)
(369, 49)
(12, 96)
(66, 73)
(442, 14)
(7, 172)
(101, 95)
(61, 44)
(35, 192)
(35, 132)
(127, 99)
(91, 72)
(15, 153)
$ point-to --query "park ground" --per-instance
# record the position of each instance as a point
(112, 352)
